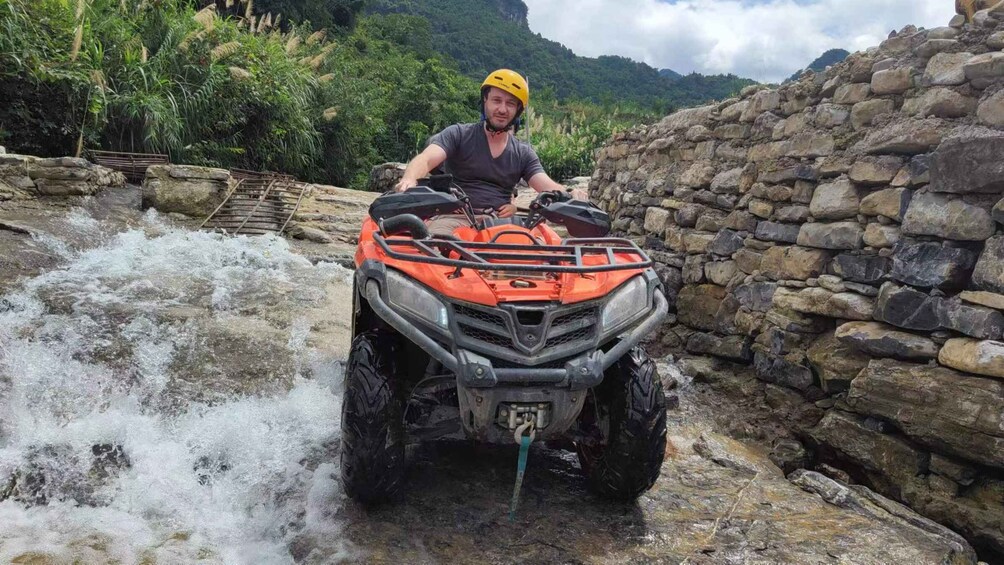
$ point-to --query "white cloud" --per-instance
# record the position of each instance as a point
(766, 40)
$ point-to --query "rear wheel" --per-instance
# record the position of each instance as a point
(626, 418)
(373, 437)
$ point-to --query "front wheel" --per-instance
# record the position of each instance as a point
(373, 436)
(626, 418)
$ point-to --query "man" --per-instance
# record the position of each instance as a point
(485, 158)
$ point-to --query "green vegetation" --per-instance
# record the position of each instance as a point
(247, 85)
(481, 35)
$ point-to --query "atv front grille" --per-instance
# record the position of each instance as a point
(527, 332)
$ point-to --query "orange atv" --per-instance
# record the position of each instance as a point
(498, 328)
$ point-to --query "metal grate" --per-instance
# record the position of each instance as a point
(132, 165)
(257, 206)
(584, 333)
(486, 336)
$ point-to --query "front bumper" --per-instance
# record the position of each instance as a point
(474, 370)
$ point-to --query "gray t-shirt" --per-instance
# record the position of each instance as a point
(489, 182)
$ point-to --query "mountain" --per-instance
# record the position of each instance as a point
(482, 35)
(831, 57)
(670, 74)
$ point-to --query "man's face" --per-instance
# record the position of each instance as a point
(500, 107)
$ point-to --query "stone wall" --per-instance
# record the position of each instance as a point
(841, 234)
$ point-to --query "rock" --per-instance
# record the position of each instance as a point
(821, 302)
(908, 137)
(835, 363)
(779, 370)
(693, 269)
(973, 321)
(789, 455)
(757, 297)
(892, 81)
(193, 191)
(727, 181)
(940, 408)
(838, 235)
(890, 202)
(940, 102)
(861, 268)
(809, 145)
(968, 165)
(947, 467)
(907, 307)
(877, 452)
(788, 174)
(761, 208)
(867, 503)
(880, 340)
(835, 201)
(763, 101)
(863, 113)
(699, 175)
(932, 265)
(877, 235)
(943, 32)
(726, 243)
(796, 214)
(831, 283)
(748, 260)
(310, 234)
(784, 262)
(695, 242)
(989, 299)
(989, 272)
(829, 116)
(192, 172)
(942, 216)
(698, 133)
(946, 69)
(852, 93)
(740, 220)
(933, 46)
(736, 348)
(875, 170)
(989, 66)
(697, 305)
(720, 273)
(655, 220)
(974, 356)
(991, 110)
(688, 214)
(773, 231)
(996, 40)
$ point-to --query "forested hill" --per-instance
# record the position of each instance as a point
(482, 35)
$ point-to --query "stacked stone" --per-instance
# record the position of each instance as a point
(24, 176)
(384, 177)
(842, 234)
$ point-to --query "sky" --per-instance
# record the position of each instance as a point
(765, 40)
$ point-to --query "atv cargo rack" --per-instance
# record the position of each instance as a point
(490, 256)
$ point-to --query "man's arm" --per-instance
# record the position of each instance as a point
(430, 158)
(543, 183)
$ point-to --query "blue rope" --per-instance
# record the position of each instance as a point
(524, 449)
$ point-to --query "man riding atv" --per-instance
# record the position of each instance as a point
(464, 328)
(485, 158)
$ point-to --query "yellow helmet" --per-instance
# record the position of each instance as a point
(509, 81)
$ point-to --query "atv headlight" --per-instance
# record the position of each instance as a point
(403, 294)
(627, 302)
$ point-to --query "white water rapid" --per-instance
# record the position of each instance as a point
(169, 396)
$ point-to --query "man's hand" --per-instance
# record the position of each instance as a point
(579, 194)
(506, 210)
(404, 184)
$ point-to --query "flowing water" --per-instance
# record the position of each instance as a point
(169, 396)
